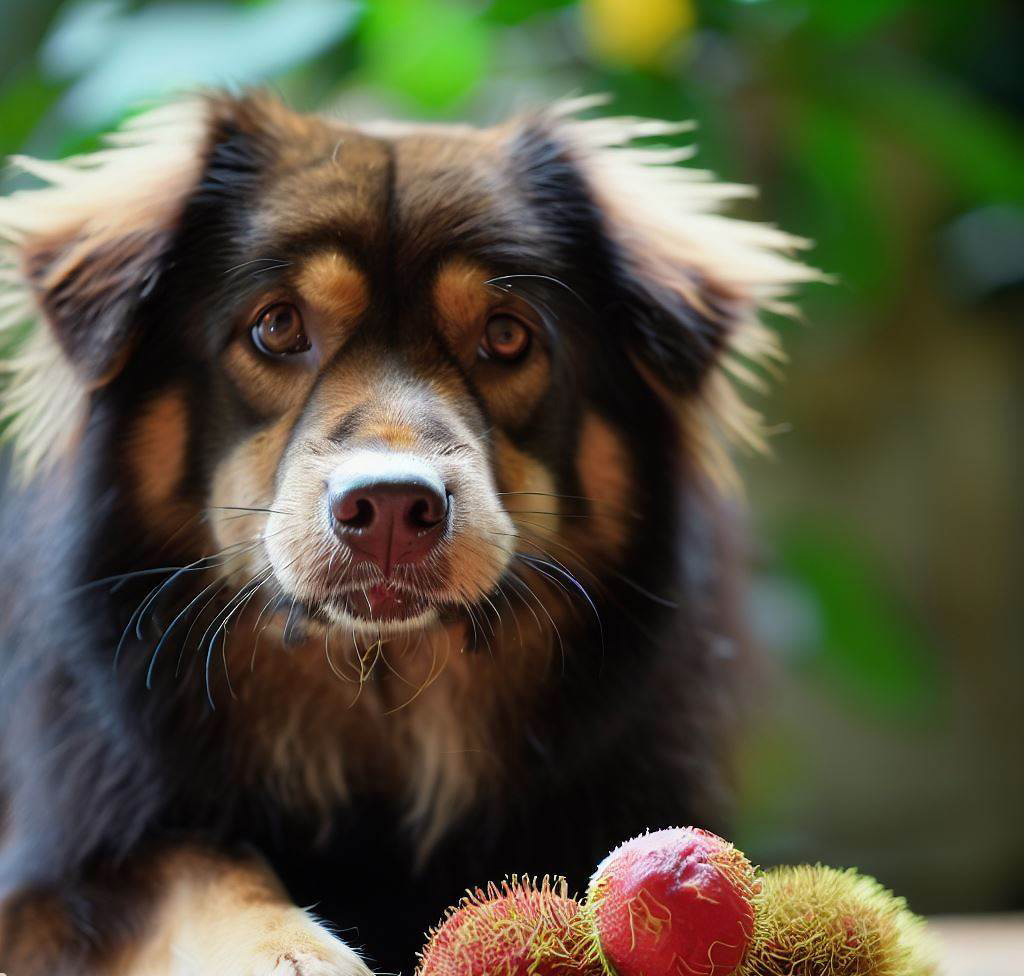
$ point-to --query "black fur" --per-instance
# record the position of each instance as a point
(97, 770)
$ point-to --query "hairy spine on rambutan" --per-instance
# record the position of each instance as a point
(520, 928)
(815, 919)
(676, 902)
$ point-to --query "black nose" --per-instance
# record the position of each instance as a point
(391, 516)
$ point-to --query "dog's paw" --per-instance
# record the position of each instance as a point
(269, 941)
(305, 962)
(301, 947)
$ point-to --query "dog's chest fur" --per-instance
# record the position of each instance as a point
(325, 720)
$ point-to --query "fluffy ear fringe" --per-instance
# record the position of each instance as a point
(673, 215)
(139, 180)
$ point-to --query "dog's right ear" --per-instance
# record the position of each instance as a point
(90, 245)
(79, 254)
(84, 249)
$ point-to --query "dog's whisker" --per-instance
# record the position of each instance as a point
(499, 588)
(607, 593)
(561, 567)
(537, 564)
(135, 620)
(562, 515)
(199, 564)
(170, 627)
(271, 264)
(245, 605)
(119, 579)
(479, 632)
(554, 628)
(538, 277)
(472, 621)
(578, 559)
(663, 601)
(215, 625)
(398, 674)
(275, 598)
(196, 517)
(288, 619)
(497, 617)
(327, 654)
(540, 603)
(366, 669)
(240, 515)
(247, 510)
(195, 620)
(509, 570)
(609, 567)
(554, 564)
(551, 494)
(432, 675)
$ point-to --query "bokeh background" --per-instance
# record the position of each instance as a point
(888, 532)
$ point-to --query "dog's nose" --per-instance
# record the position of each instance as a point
(394, 514)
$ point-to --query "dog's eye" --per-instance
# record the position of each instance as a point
(505, 338)
(278, 331)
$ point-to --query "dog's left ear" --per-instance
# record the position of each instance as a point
(683, 284)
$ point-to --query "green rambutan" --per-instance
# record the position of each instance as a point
(819, 921)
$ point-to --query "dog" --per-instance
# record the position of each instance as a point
(367, 532)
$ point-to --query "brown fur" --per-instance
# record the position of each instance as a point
(157, 455)
(607, 478)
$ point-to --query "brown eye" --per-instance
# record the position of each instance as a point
(278, 331)
(505, 338)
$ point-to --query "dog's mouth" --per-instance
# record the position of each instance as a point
(385, 602)
(384, 608)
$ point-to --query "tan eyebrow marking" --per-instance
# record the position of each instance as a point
(462, 298)
(334, 286)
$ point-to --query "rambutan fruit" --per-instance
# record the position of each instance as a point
(675, 902)
(518, 929)
(815, 920)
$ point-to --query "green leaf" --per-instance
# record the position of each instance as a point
(852, 19)
(975, 146)
(511, 12)
(118, 56)
(433, 53)
(23, 103)
(832, 176)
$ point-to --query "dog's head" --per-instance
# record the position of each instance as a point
(386, 366)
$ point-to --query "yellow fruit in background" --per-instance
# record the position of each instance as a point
(635, 32)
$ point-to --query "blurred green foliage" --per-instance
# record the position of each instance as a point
(872, 652)
(887, 131)
(434, 54)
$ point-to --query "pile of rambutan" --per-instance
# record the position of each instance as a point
(683, 902)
